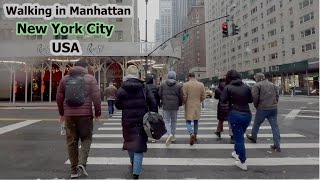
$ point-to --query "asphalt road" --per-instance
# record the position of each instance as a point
(32, 147)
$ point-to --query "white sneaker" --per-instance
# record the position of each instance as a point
(235, 155)
(242, 166)
(169, 139)
(83, 170)
(173, 139)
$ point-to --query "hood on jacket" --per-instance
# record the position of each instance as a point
(172, 75)
(132, 85)
(77, 70)
(236, 82)
(171, 82)
(149, 79)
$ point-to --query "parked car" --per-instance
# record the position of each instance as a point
(249, 82)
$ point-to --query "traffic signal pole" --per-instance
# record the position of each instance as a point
(226, 16)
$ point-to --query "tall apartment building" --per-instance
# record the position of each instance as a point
(180, 13)
(165, 19)
(193, 48)
(193, 51)
(277, 37)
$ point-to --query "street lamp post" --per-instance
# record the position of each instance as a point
(146, 41)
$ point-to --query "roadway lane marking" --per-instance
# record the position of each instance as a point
(204, 136)
(292, 114)
(207, 146)
(178, 128)
(204, 161)
(17, 126)
(179, 119)
(303, 116)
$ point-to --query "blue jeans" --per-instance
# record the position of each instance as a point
(111, 106)
(170, 118)
(189, 127)
(239, 122)
(136, 161)
(271, 115)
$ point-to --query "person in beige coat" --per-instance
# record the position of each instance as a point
(194, 94)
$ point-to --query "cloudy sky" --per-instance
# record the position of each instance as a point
(153, 14)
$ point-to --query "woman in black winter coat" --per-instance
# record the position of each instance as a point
(133, 98)
(222, 110)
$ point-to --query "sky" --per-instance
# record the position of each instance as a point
(153, 14)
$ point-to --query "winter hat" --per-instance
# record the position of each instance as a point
(259, 77)
(133, 70)
(172, 75)
(81, 63)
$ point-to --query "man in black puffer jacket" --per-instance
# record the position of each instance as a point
(132, 99)
(153, 88)
(171, 95)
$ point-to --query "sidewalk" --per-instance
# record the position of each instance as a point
(34, 104)
(299, 96)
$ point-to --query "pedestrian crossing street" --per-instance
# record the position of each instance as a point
(106, 149)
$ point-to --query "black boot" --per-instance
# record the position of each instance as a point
(218, 134)
(135, 176)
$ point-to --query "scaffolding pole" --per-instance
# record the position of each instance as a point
(50, 83)
(14, 84)
(31, 83)
(26, 85)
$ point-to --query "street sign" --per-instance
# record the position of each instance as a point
(185, 37)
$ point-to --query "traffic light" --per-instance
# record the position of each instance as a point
(235, 29)
(225, 32)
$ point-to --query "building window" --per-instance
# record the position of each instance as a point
(291, 24)
(255, 40)
(261, 15)
(271, 10)
(273, 56)
(309, 47)
(292, 37)
(119, 19)
(282, 39)
(290, 10)
(308, 32)
(245, 34)
(254, 10)
(305, 3)
(281, 4)
(119, 1)
(272, 21)
(261, 5)
(246, 44)
(283, 53)
(254, 20)
(262, 36)
(245, 16)
(281, 28)
(272, 44)
(254, 30)
(293, 51)
(306, 18)
(272, 32)
(255, 50)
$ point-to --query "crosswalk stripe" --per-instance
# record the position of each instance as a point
(207, 146)
(204, 136)
(178, 128)
(204, 161)
(179, 119)
(178, 123)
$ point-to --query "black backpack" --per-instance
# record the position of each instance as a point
(153, 123)
(74, 91)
